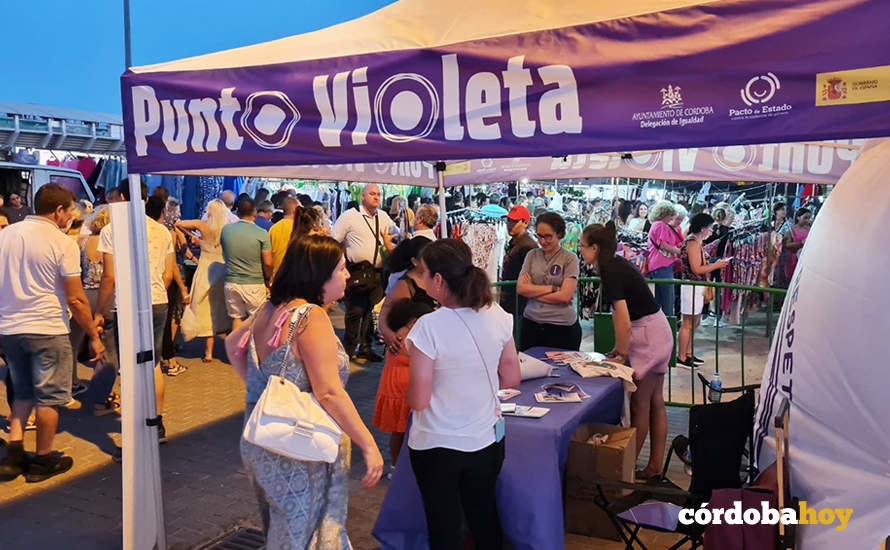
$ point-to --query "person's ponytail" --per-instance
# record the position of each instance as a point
(477, 290)
(452, 259)
(304, 223)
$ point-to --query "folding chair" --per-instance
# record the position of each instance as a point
(718, 436)
(706, 385)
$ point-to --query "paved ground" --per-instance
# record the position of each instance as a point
(205, 490)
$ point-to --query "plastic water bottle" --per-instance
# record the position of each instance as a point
(714, 388)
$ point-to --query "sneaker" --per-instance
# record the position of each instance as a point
(162, 432)
(698, 360)
(173, 369)
(14, 463)
(73, 405)
(117, 455)
(370, 356)
(78, 389)
(43, 468)
(686, 363)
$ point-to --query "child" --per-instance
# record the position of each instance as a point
(391, 411)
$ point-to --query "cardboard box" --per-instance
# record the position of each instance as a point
(614, 459)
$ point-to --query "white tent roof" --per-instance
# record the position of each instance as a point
(410, 24)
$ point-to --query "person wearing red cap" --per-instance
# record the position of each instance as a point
(520, 244)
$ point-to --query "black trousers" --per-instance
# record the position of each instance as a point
(454, 484)
(10, 393)
(534, 334)
(358, 319)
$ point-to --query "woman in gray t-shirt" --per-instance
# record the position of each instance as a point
(548, 279)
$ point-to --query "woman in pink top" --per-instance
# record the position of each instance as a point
(795, 239)
(664, 249)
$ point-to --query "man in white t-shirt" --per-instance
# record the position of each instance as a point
(363, 230)
(161, 263)
(40, 281)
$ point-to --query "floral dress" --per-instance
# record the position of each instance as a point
(306, 502)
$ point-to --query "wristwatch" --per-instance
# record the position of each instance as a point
(554, 289)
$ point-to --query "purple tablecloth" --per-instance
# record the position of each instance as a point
(530, 485)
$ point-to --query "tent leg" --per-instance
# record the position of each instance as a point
(143, 513)
(443, 224)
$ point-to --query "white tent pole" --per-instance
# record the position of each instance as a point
(143, 514)
(443, 224)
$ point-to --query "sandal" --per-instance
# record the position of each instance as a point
(640, 476)
(109, 407)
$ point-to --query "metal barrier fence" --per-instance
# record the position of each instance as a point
(768, 293)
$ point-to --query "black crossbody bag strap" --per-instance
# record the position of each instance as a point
(376, 234)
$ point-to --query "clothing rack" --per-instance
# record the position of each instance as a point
(472, 215)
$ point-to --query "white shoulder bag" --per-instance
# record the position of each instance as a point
(290, 422)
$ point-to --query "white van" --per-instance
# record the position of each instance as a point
(26, 179)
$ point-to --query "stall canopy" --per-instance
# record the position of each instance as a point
(821, 163)
(428, 80)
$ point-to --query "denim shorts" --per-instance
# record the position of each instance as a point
(158, 322)
(40, 367)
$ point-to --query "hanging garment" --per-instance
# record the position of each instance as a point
(86, 166)
(482, 240)
(173, 185)
(209, 188)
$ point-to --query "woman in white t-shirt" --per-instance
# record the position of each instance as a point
(460, 355)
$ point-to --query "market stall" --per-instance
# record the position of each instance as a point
(431, 81)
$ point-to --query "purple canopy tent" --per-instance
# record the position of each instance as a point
(819, 162)
(425, 80)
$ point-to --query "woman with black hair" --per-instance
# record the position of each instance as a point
(405, 264)
(640, 222)
(643, 338)
(622, 212)
(307, 221)
(548, 279)
(694, 266)
(456, 439)
(303, 504)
